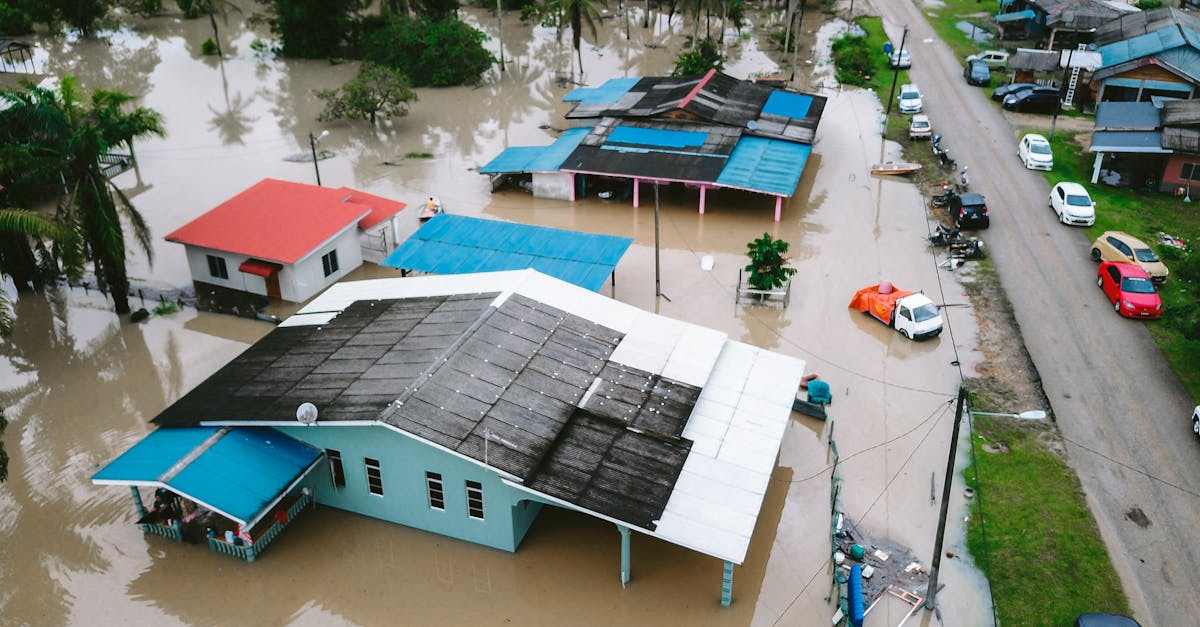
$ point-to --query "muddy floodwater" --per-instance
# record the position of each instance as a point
(80, 384)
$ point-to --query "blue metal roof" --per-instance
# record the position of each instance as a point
(787, 104)
(609, 92)
(666, 138)
(537, 158)
(1127, 141)
(237, 472)
(1015, 16)
(451, 244)
(1153, 85)
(1126, 115)
(1149, 44)
(765, 165)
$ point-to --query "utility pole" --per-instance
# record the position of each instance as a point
(895, 75)
(500, 25)
(941, 529)
(657, 273)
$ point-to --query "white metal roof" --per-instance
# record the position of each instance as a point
(736, 426)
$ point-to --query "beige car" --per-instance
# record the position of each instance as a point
(1120, 246)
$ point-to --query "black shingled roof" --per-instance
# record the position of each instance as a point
(534, 381)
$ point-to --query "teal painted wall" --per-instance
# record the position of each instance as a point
(403, 463)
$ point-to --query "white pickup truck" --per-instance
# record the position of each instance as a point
(910, 313)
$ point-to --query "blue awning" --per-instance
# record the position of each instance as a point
(1015, 16)
(765, 165)
(451, 244)
(536, 158)
(1128, 141)
(237, 472)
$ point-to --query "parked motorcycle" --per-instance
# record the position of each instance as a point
(958, 245)
(964, 184)
(943, 157)
(942, 199)
(943, 235)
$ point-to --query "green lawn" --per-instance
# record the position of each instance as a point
(946, 18)
(1045, 559)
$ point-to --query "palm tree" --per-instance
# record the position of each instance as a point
(18, 226)
(65, 138)
(212, 8)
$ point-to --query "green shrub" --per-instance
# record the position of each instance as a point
(1149, 4)
(767, 265)
(852, 60)
(14, 21)
(190, 8)
(699, 59)
(209, 47)
(431, 53)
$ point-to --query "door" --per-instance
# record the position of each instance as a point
(273, 285)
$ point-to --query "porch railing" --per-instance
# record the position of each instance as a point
(173, 531)
(251, 550)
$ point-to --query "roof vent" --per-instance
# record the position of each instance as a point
(306, 413)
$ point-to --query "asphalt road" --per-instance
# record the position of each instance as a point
(1125, 415)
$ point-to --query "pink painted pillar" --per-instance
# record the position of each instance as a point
(703, 188)
(571, 194)
(778, 207)
(637, 187)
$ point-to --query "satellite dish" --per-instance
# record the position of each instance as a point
(751, 124)
(306, 413)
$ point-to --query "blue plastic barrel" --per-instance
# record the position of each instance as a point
(854, 592)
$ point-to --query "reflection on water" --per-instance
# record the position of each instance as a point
(81, 385)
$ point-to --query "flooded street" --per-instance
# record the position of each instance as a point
(80, 385)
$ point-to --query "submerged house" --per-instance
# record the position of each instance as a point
(1155, 145)
(284, 240)
(711, 131)
(464, 404)
(1060, 24)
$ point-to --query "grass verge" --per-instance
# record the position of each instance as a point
(1043, 554)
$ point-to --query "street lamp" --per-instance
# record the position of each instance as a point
(312, 144)
(1034, 414)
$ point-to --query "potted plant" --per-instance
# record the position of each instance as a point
(767, 267)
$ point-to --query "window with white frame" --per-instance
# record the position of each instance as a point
(437, 492)
(475, 499)
(216, 267)
(329, 262)
(374, 476)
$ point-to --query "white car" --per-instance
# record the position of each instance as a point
(1196, 420)
(1072, 204)
(910, 99)
(900, 59)
(919, 127)
(1035, 152)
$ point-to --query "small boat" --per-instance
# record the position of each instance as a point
(895, 167)
(432, 207)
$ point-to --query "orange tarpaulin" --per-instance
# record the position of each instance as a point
(869, 300)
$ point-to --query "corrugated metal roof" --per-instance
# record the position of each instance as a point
(536, 158)
(765, 165)
(1142, 22)
(1182, 140)
(688, 468)
(1127, 141)
(1034, 60)
(1015, 16)
(1126, 116)
(610, 92)
(237, 472)
(451, 244)
(1149, 44)
(1180, 113)
(1149, 85)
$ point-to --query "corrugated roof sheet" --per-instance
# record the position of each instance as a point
(610, 92)
(237, 472)
(1149, 44)
(1148, 85)
(1142, 22)
(536, 158)
(451, 244)
(516, 378)
(1127, 141)
(1126, 116)
(1182, 139)
(1034, 60)
(1015, 16)
(1180, 113)
(765, 165)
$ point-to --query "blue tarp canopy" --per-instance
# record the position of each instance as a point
(536, 158)
(237, 472)
(450, 244)
(765, 165)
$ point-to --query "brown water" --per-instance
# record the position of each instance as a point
(81, 385)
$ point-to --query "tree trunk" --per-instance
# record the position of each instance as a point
(212, 17)
(19, 261)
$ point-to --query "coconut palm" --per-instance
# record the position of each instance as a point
(64, 138)
(213, 8)
(582, 12)
(18, 227)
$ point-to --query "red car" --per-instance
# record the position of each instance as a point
(1130, 290)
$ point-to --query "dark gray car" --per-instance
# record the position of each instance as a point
(977, 73)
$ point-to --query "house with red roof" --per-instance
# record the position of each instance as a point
(286, 240)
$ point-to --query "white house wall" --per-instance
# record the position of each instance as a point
(556, 185)
(307, 277)
(197, 258)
